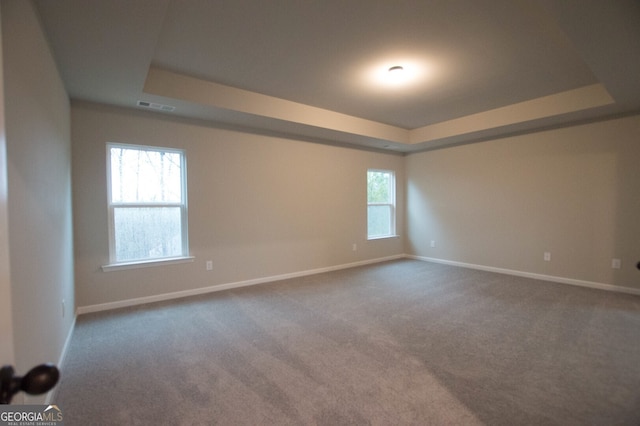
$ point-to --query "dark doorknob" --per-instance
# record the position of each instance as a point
(38, 380)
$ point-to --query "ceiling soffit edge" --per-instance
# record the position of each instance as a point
(206, 94)
(209, 94)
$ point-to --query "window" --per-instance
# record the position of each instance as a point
(381, 204)
(147, 203)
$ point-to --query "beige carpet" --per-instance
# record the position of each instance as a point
(404, 342)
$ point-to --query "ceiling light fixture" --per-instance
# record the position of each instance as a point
(397, 75)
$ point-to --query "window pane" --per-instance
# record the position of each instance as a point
(141, 175)
(379, 221)
(150, 232)
(379, 187)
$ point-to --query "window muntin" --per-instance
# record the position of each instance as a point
(147, 203)
(381, 204)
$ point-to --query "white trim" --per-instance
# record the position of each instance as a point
(146, 263)
(67, 342)
(392, 204)
(204, 290)
(385, 237)
(220, 287)
(63, 354)
(111, 205)
(561, 280)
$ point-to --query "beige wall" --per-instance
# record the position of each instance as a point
(6, 322)
(262, 206)
(574, 192)
(37, 117)
(259, 206)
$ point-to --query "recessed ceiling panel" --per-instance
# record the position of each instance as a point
(472, 55)
(319, 69)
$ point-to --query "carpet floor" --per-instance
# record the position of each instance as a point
(396, 343)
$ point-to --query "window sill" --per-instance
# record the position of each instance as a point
(146, 263)
(384, 237)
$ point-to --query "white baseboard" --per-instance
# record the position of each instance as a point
(194, 292)
(63, 354)
(561, 280)
(220, 287)
(204, 290)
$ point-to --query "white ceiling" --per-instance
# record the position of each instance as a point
(485, 68)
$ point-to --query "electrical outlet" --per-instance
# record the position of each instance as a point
(547, 256)
(209, 265)
(433, 243)
(354, 247)
(616, 263)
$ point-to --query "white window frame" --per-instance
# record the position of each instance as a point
(391, 204)
(114, 264)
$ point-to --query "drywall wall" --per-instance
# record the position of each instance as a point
(6, 322)
(37, 115)
(259, 206)
(572, 192)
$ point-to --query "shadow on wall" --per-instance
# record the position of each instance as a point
(627, 207)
